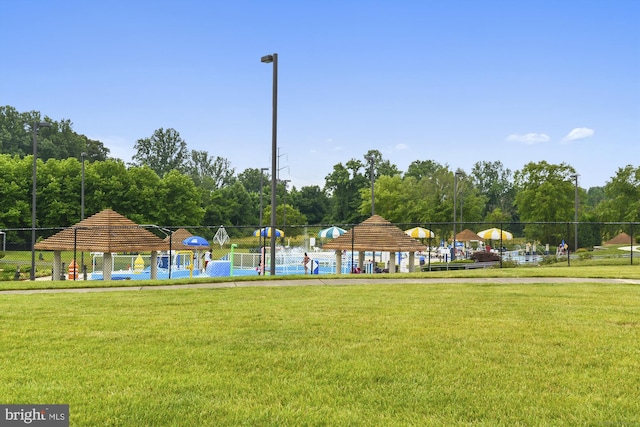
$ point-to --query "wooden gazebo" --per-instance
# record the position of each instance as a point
(176, 239)
(467, 235)
(107, 232)
(375, 234)
(621, 239)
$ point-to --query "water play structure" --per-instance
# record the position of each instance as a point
(178, 264)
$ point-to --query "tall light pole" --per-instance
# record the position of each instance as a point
(267, 59)
(575, 213)
(371, 160)
(262, 170)
(455, 192)
(34, 130)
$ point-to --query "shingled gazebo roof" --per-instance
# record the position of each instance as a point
(621, 239)
(106, 231)
(467, 235)
(177, 237)
(375, 234)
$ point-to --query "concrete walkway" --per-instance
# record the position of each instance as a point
(332, 282)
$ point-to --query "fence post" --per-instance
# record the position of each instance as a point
(569, 250)
(631, 230)
(429, 248)
(500, 253)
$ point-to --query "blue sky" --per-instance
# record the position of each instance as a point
(457, 81)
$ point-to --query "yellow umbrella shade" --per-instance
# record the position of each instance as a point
(419, 233)
(495, 234)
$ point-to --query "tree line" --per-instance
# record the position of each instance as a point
(166, 184)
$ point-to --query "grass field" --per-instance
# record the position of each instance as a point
(379, 354)
(584, 270)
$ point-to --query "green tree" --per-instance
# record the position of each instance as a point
(231, 205)
(394, 199)
(58, 141)
(163, 152)
(594, 196)
(141, 202)
(58, 192)
(494, 182)
(419, 169)
(294, 218)
(622, 200)
(208, 172)
(436, 193)
(471, 202)
(545, 193)
(496, 217)
(15, 209)
(250, 178)
(179, 201)
(590, 230)
(106, 184)
(381, 166)
(14, 135)
(344, 185)
(312, 202)
(622, 196)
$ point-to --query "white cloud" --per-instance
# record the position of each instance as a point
(401, 147)
(578, 133)
(529, 138)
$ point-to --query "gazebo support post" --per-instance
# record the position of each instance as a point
(361, 261)
(412, 258)
(107, 260)
(338, 262)
(392, 262)
(154, 265)
(57, 265)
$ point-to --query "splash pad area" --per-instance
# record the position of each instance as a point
(138, 267)
(186, 264)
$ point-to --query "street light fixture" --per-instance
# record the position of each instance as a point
(267, 59)
(34, 130)
(575, 212)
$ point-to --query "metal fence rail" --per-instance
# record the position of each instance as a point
(244, 247)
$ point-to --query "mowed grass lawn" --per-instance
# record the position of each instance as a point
(370, 355)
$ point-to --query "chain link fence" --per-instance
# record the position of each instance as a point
(245, 250)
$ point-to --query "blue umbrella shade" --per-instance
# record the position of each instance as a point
(266, 232)
(331, 232)
(196, 242)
